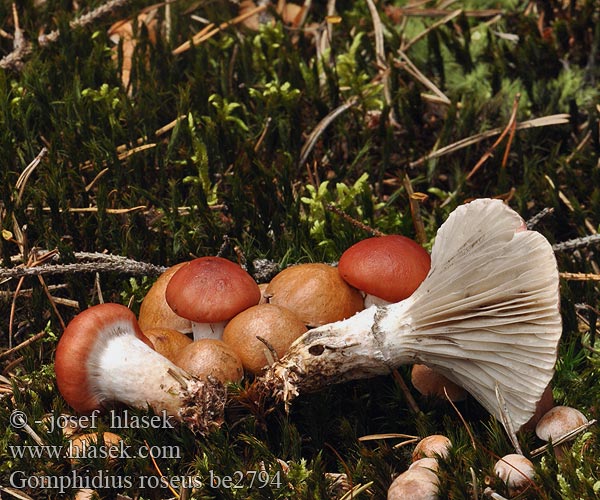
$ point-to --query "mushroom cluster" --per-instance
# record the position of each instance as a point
(236, 326)
(481, 309)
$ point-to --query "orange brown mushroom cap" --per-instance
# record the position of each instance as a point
(154, 310)
(388, 267)
(315, 292)
(276, 325)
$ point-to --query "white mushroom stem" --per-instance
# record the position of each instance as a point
(129, 371)
(486, 315)
(208, 330)
(373, 300)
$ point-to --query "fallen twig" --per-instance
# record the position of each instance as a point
(574, 244)
(99, 263)
(29, 341)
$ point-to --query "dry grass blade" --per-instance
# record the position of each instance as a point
(321, 127)
(405, 63)
(492, 494)
(425, 32)
(564, 438)
(507, 421)
(359, 488)
(546, 121)
(14, 493)
(27, 171)
(381, 56)
(160, 474)
(110, 211)
(474, 484)
(565, 199)
(387, 435)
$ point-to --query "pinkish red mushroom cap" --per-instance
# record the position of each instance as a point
(83, 340)
(389, 267)
(211, 290)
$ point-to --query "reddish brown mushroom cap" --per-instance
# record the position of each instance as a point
(211, 290)
(85, 336)
(389, 267)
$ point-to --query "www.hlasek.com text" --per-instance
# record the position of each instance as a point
(90, 450)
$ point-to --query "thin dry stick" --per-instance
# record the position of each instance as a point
(564, 438)
(52, 302)
(13, 307)
(418, 12)
(353, 221)
(204, 35)
(511, 123)
(507, 420)
(159, 471)
(579, 276)
(32, 262)
(511, 136)
(415, 211)
(23, 48)
(263, 134)
(22, 345)
(85, 20)
(412, 404)
(533, 221)
(468, 429)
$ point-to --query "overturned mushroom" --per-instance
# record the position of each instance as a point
(103, 357)
(486, 317)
